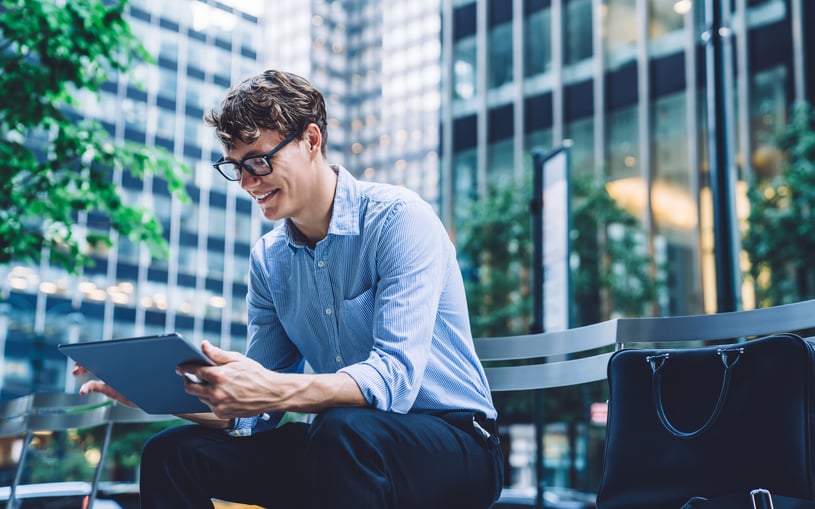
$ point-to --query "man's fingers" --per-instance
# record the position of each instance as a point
(79, 370)
(102, 387)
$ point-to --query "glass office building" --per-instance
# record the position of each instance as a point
(199, 291)
(378, 63)
(622, 83)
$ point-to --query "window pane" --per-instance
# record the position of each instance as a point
(500, 165)
(500, 66)
(464, 69)
(538, 43)
(673, 206)
(621, 32)
(768, 115)
(465, 182)
(577, 32)
(581, 132)
(666, 28)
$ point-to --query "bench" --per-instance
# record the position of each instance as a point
(25, 417)
(580, 355)
(595, 343)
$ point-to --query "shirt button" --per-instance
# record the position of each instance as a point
(328, 311)
(321, 264)
(339, 359)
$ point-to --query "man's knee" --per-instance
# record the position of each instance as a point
(169, 443)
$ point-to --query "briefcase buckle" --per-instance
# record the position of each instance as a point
(762, 499)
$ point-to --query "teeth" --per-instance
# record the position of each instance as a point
(263, 196)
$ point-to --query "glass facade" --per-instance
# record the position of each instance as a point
(621, 82)
(378, 64)
(623, 85)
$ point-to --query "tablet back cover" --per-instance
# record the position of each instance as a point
(143, 370)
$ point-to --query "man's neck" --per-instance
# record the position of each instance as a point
(314, 227)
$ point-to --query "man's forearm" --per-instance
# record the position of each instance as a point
(312, 393)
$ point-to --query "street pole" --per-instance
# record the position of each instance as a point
(535, 208)
(5, 311)
(717, 39)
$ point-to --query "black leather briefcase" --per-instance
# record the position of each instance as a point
(710, 423)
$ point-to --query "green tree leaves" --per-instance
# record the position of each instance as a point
(495, 245)
(55, 165)
(608, 244)
(780, 238)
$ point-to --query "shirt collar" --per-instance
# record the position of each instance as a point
(344, 215)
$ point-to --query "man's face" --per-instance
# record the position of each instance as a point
(280, 194)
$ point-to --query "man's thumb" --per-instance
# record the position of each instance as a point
(216, 354)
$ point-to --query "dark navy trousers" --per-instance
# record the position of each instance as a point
(348, 458)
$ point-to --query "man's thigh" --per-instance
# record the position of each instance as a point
(382, 459)
(263, 469)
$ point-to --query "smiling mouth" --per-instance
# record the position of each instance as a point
(264, 197)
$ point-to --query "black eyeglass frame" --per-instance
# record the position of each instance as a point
(266, 158)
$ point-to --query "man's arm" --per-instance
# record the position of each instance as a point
(242, 387)
(413, 253)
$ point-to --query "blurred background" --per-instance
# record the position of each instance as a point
(686, 124)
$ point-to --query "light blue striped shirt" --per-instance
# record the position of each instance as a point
(380, 298)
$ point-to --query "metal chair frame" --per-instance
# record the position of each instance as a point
(554, 355)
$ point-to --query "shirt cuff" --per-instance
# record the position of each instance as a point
(243, 427)
(375, 389)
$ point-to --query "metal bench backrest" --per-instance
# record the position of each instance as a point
(14, 415)
(33, 413)
(58, 412)
(580, 355)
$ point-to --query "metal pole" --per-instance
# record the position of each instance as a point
(5, 310)
(536, 209)
(716, 38)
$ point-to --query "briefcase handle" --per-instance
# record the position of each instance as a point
(730, 357)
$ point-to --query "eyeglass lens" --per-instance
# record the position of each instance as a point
(257, 166)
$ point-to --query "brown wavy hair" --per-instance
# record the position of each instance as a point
(274, 100)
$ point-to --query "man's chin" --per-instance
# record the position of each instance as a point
(272, 214)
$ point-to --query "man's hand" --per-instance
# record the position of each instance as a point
(241, 387)
(234, 388)
(99, 386)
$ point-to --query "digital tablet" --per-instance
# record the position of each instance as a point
(143, 369)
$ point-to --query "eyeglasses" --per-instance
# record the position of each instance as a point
(255, 165)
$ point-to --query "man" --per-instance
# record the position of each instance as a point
(360, 280)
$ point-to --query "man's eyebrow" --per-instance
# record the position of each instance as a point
(248, 155)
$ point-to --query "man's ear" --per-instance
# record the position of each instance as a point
(313, 137)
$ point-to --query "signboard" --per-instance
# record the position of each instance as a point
(552, 240)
